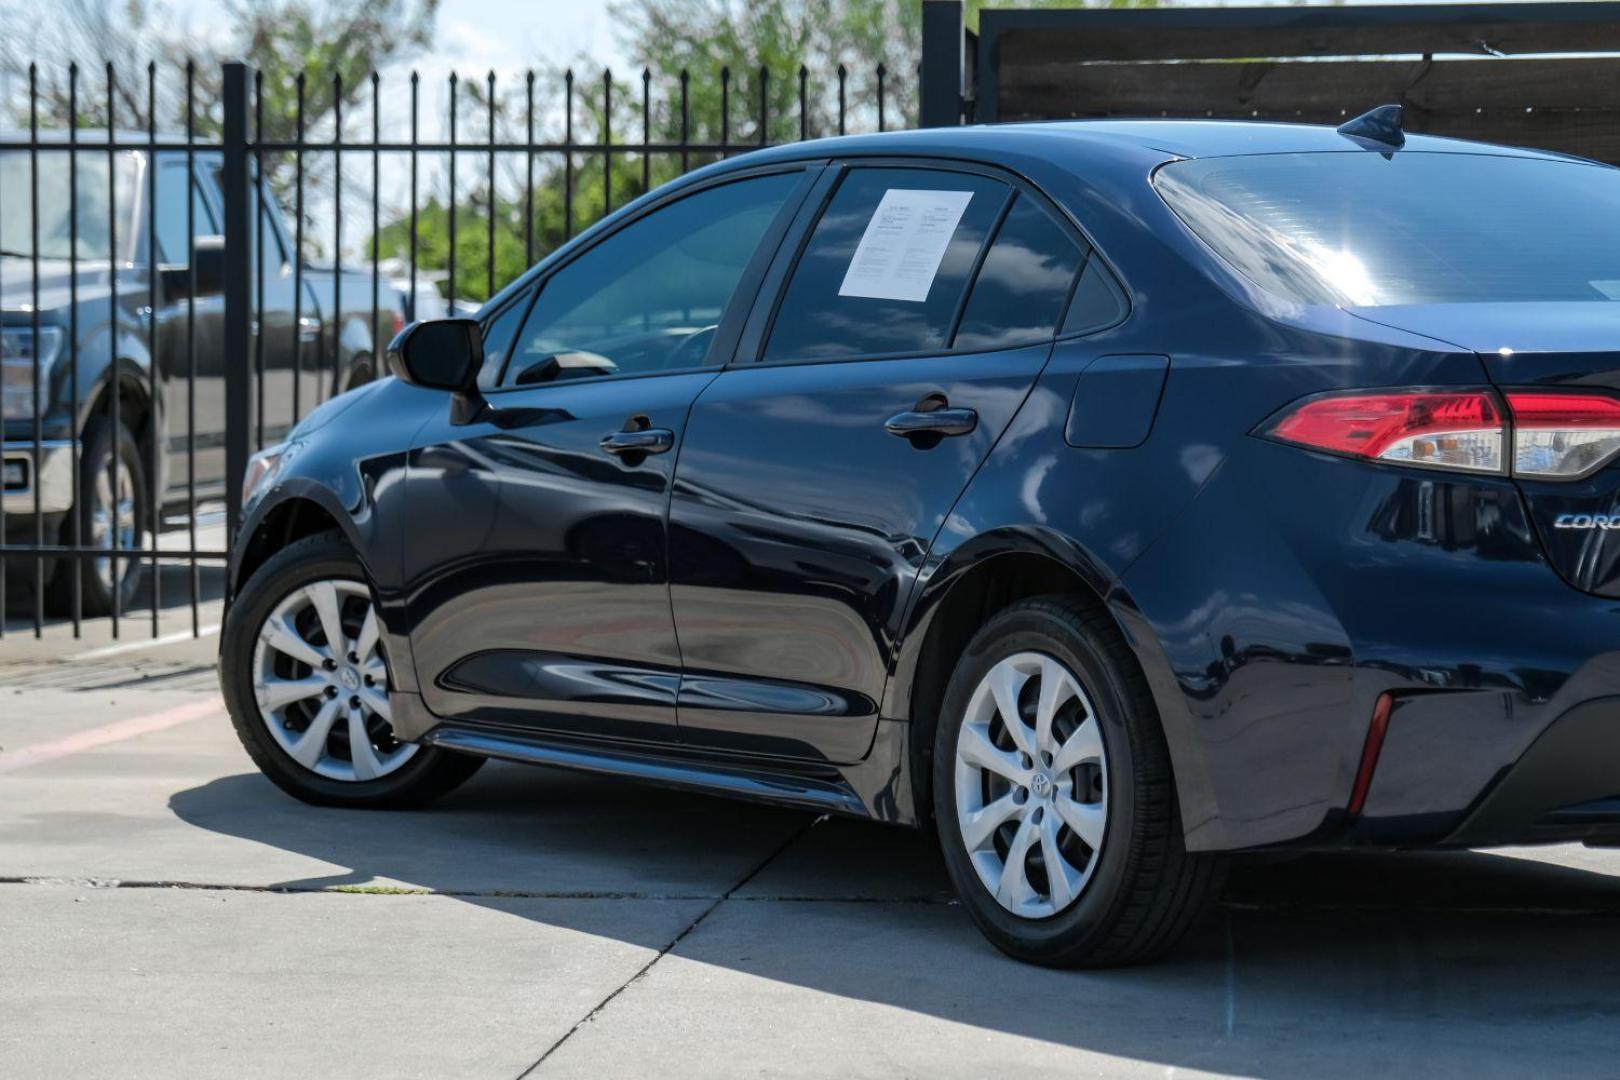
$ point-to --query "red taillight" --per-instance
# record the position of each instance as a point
(1563, 435)
(1438, 429)
(1557, 434)
(399, 323)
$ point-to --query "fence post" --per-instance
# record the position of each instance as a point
(238, 284)
(940, 97)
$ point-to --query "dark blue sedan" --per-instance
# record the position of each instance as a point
(1106, 496)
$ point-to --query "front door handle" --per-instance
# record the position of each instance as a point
(643, 441)
(932, 416)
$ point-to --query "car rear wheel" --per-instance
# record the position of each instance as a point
(306, 677)
(1053, 796)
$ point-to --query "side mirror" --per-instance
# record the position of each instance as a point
(441, 354)
(207, 269)
(208, 264)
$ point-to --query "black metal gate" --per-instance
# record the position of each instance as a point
(154, 342)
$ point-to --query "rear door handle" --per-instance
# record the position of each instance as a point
(939, 422)
(645, 441)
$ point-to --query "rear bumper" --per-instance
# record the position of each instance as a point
(1566, 786)
(46, 470)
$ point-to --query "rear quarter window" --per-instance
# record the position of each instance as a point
(1098, 301)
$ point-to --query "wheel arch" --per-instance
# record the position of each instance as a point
(135, 403)
(298, 513)
(972, 583)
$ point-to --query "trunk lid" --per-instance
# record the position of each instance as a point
(1545, 346)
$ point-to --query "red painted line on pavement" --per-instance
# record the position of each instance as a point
(12, 760)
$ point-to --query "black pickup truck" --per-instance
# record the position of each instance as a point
(163, 441)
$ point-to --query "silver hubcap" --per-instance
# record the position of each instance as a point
(113, 518)
(1031, 785)
(321, 682)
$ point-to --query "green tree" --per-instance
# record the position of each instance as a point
(824, 36)
(724, 53)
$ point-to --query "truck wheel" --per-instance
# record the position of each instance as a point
(1053, 797)
(112, 505)
(306, 676)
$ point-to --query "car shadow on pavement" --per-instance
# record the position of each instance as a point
(1442, 963)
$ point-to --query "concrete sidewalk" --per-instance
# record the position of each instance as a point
(166, 912)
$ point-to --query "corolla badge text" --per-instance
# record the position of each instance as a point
(1587, 521)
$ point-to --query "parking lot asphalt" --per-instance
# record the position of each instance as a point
(166, 912)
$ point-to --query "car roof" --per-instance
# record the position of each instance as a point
(1170, 138)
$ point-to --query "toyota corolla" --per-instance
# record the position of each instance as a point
(1105, 496)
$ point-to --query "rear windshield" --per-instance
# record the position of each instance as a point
(1364, 228)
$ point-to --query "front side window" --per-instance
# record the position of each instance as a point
(174, 240)
(1358, 228)
(885, 269)
(1023, 284)
(274, 258)
(499, 333)
(649, 297)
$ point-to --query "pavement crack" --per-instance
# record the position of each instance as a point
(384, 889)
(797, 835)
(83, 882)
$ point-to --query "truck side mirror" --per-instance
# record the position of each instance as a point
(207, 269)
(208, 264)
(441, 354)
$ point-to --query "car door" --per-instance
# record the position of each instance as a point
(813, 480)
(535, 567)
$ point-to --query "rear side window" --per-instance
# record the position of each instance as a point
(649, 297)
(886, 266)
(1023, 284)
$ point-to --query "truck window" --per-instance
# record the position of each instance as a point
(173, 240)
(275, 254)
(56, 227)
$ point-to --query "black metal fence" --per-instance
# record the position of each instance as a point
(161, 317)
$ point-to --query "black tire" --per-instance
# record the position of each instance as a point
(1146, 890)
(97, 595)
(429, 773)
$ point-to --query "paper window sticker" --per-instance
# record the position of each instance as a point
(901, 250)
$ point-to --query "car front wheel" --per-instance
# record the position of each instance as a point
(1053, 796)
(306, 678)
